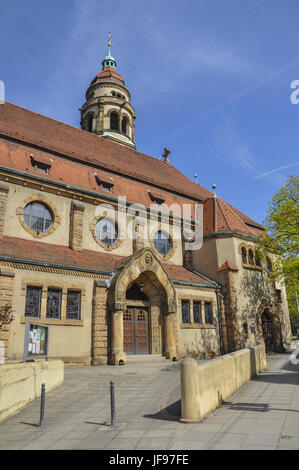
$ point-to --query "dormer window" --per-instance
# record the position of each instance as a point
(40, 164)
(156, 196)
(104, 182)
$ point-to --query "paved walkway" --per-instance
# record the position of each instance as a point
(264, 414)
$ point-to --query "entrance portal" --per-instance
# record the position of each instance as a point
(136, 339)
(267, 332)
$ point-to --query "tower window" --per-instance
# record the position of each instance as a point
(124, 125)
(244, 256)
(89, 123)
(114, 122)
(250, 257)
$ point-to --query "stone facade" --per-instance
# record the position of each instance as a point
(58, 269)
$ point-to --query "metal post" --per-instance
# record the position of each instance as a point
(112, 403)
(42, 405)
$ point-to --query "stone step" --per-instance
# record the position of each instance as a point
(145, 358)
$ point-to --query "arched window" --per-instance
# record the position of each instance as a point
(114, 122)
(244, 256)
(250, 257)
(89, 123)
(124, 125)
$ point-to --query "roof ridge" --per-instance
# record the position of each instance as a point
(230, 208)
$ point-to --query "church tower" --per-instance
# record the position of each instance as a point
(107, 111)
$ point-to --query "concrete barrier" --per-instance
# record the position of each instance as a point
(21, 383)
(204, 386)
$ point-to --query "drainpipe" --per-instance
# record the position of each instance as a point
(219, 322)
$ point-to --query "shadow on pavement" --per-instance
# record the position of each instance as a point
(170, 413)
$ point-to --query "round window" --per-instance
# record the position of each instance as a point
(38, 217)
(106, 231)
(162, 243)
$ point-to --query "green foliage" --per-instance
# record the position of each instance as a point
(282, 238)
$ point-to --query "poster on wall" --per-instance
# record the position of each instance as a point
(36, 341)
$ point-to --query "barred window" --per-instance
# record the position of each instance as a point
(208, 313)
(53, 303)
(186, 311)
(73, 305)
(33, 301)
(197, 312)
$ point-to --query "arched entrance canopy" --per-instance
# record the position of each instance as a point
(143, 262)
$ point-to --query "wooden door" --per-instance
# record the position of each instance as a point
(136, 330)
(267, 333)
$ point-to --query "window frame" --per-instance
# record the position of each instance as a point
(77, 291)
(40, 289)
(186, 302)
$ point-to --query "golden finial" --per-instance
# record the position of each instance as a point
(109, 39)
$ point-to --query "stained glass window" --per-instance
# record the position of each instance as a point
(208, 313)
(162, 243)
(73, 305)
(33, 301)
(197, 312)
(185, 311)
(106, 231)
(53, 303)
(38, 217)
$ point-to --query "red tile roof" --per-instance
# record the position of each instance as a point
(108, 74)
(40, 252)
(77, 154)
(54, 136)
(222, 217)
(227, 266)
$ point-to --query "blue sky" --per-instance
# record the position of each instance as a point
(209, 79)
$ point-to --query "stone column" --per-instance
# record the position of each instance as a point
(117, 341)
(99, 337)
(76, 226)
(6, 299)
(170, 343)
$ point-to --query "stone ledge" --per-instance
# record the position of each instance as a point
(52, 321)
(21, 383)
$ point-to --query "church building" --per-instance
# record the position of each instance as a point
(92, 244)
